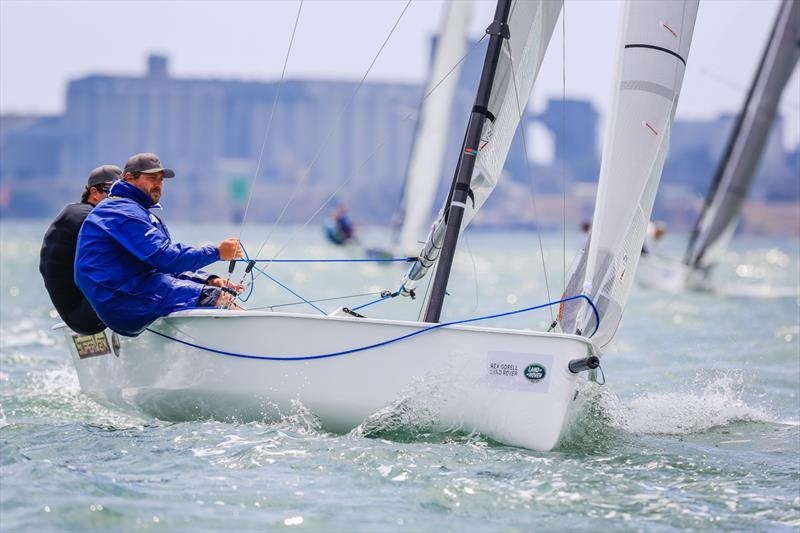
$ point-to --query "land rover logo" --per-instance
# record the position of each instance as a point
(534, 372)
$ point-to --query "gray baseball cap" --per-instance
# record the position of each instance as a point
(148, 164)
(104, 174)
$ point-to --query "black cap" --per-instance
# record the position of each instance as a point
(104, 174)
(148, 164)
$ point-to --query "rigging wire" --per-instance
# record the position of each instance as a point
(370, 156)
(529, 173)
(330, 133)
(474, 272)
(564, 141)
(283, 285)
(373, 153)
(401, 207)
(424, 298)
(786, 104)
(304, 302)
(271, 116)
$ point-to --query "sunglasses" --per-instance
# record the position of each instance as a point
(103, 188)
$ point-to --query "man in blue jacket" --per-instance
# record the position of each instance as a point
(128, 267)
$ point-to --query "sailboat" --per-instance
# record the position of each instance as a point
(516, 387)
(717, 220)
(430, 139)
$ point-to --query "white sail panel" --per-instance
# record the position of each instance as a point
(716, 224)
(655, 37)
(430, 141)
(531, 24)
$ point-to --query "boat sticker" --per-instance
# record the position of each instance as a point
(535, 372)
(518, 371)
(91, 345)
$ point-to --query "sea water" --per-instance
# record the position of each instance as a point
(697, 426)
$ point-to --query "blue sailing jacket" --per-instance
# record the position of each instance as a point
(129, 268)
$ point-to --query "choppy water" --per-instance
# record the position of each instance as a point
(698, 426)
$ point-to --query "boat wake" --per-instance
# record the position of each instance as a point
(402, 420)
(418, 415)
(415, 416)
(24, 334)
(601, 417)
(53, 393)
(718, 403)
(596, 421)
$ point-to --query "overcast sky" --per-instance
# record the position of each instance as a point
(44, 44)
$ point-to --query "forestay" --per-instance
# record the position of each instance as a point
(430, 141)
(736, 170)
(654, 43)
(530, 25)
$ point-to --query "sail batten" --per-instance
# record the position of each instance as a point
(716, 223)
(653, 46)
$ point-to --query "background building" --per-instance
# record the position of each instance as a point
(322, 136)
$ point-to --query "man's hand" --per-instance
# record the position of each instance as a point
(230, 249)
(219, 282)
(225, 301)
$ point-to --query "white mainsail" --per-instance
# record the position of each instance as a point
(655, 37)
(531, 24)
(716, 223)
(430, 141)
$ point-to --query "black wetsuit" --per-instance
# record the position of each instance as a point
(57, 265)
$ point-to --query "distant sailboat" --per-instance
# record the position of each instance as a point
(734, 175)
(430, 139)
(513, 386)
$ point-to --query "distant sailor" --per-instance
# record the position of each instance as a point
(129, 268)
(57, 257)
(340, 230)
(655, 232)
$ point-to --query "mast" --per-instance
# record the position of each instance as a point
(459, 190)
(716, 222)
(520, 36)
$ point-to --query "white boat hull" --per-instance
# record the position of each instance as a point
(657, 273)
(672, 276)
(471, 378)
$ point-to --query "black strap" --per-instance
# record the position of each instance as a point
(481, 110)
(352, 313)
(470, 194)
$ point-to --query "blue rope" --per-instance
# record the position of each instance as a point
(288, 289)
(362, 260)
(384, 343)
(249, 292)
(384, 296)
(362, 306)
(252, 280)
(252, 276)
